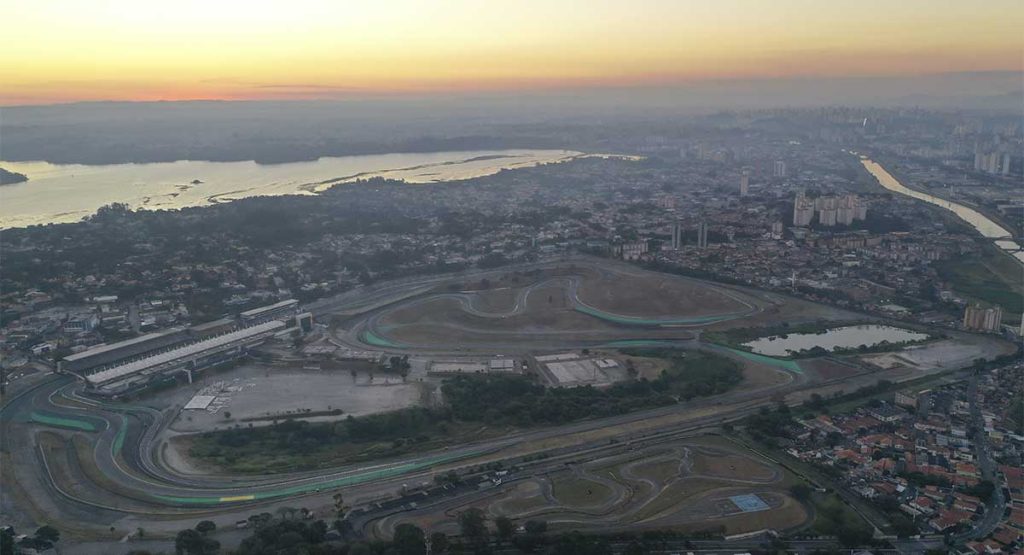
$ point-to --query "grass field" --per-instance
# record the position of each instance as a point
(659, 471)
(675, 494)
(988, 276)
(727, 465)
(579, 492)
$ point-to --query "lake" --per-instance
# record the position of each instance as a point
(848, 337)
(58, 193)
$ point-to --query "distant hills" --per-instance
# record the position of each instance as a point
(575, 119)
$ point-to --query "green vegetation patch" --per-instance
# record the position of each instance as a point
(991, 278)
(295, 444)
(782, 364)
(835, 518)
(693, 373)
(371, 338)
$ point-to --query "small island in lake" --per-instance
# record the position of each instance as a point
(10, 178)
(196, 182)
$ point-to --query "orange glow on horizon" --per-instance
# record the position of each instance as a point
(66, 50)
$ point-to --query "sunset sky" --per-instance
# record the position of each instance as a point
(70, 50)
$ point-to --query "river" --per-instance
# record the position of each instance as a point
(985, 226)
(58, 193)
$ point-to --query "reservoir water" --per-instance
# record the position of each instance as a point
(57, 193)
(848, 337)
(985, 226)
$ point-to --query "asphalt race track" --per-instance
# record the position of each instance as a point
(75, 458)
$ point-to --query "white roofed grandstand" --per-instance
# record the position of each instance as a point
(180, 354)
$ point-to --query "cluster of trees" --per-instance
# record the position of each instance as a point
(196, 541)
(695, 374)
(490, 399)
(477, 536)
(836, 519)
(982, 490)
(403, 428)
(45, 538)
(768, 424)
(503, 399)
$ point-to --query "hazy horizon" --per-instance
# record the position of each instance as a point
(61, 51)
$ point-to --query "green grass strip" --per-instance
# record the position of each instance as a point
(376, 340)
(69, 423)
(119, 438)
(789, 365)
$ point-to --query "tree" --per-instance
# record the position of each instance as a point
(205, 527)
(438, 542)
(409, 540)
(7, 541)
(188, 542)
(473, 524)
(853, 536)
(982, 490)
(536, 527)
(800, 492)
(339, 505)
(505, 527)
(46, 536)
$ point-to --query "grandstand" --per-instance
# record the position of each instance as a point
(92, 359)
(188, 357)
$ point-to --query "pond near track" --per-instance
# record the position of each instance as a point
(848, 337)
